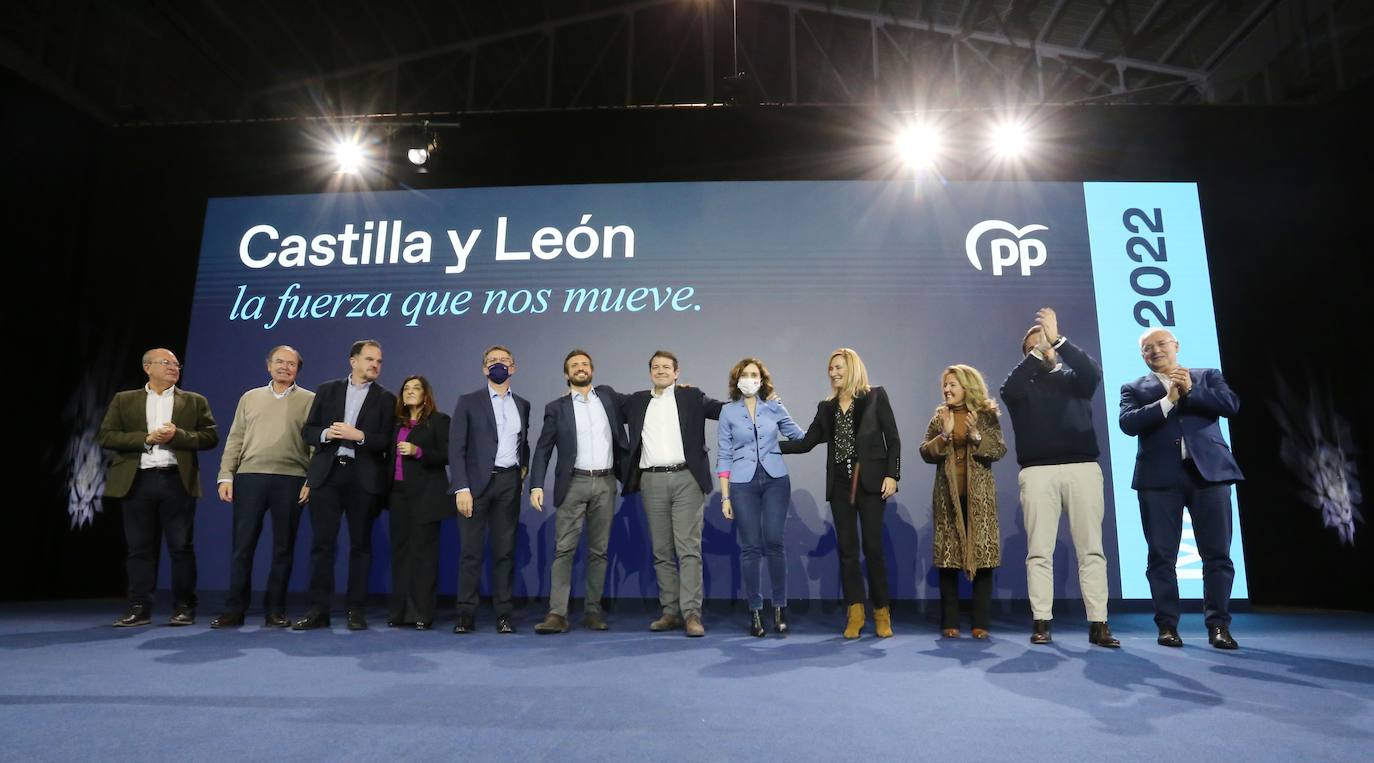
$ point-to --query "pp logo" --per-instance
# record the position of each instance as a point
(1007, 252)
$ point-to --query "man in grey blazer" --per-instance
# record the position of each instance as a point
(155, 433)
(586, 428)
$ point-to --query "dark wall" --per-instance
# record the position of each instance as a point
(114, 232)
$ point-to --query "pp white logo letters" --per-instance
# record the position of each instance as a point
(1007, 252)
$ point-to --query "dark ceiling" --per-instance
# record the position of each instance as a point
(164, 62)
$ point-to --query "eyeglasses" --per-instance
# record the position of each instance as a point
(1146, 349)
(287, 363)
(172, 364)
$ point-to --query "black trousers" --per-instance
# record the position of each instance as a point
(256, 496)
(1161, 516)
(414, 559)
(866, 511)
(949, 597)
(341, 497)
(157, 504)
(495, 517)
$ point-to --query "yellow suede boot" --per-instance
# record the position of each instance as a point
(882, 622)
(856, 621)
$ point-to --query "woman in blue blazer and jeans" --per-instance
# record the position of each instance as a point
(754, 487)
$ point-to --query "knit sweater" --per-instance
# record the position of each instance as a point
(1052, 410)
(265, 437)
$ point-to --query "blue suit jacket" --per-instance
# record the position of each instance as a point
(560, 431)
(744, 441)
(472, 441)
(1193, 419)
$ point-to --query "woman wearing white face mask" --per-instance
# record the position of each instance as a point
(754, 487)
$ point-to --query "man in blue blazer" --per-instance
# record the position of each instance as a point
(351, 425)
(586, 427)
(488, 455)
(1182, 460)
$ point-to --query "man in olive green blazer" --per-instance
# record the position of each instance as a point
(155, 433)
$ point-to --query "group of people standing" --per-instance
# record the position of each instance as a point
(352, 447)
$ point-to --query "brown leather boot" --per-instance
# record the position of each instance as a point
(882, 622)
(855, 622)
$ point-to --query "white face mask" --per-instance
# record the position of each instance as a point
(749, 387)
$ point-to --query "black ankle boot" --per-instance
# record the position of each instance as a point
(756, 624)
(780, 620)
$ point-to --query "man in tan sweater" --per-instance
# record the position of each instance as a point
(263, 470)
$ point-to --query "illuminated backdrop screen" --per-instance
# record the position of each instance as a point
(914, 277)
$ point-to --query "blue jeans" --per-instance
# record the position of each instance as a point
(760, 514)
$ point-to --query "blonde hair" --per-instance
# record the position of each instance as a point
(975, 389)
(855, 374)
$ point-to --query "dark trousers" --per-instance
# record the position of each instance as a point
(255, 496)
(495, 517)
(1161, 516)
(340, 497)
(949, 598)
(867, 510)
(414, 558)
(157, 504)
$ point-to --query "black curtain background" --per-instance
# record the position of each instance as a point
(105, 223)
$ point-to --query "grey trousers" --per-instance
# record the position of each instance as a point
(590, 501)
(675, 505)
(1046, 492)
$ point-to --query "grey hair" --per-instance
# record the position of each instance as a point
(1141, 342)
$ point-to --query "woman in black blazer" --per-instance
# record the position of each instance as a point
(419, 502)
(863, 460)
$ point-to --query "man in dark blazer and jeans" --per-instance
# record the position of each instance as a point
(668, 464)
(586, 427)
(1182, 460)
(488, 454)
(351, 424)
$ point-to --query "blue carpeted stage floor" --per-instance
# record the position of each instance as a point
(1301, 688)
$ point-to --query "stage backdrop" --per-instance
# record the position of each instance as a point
(914, 276)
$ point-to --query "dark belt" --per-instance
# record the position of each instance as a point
(504, 469)
(160, 469)
(343, 460)
(592, 472)
(666, 469)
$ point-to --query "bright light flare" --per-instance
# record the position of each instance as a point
(1010, 140)
(350, 156)
(919, 145)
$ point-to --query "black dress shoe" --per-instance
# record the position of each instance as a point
(356, 620)
(138, 614)
(504, 625)
(228, 620)
(276, 620)
(183, 617)
(756, 628)
(423, 625)
(465, 624)
(1101, 635)
(312, 620)
(1168, 636)
(1219, 636)
(780, 620)
(1040, 632)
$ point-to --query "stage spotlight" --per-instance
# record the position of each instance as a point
(919, 145)
(1009, 139)
(420, 148)
(349, 155)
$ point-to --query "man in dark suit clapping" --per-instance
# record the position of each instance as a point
(489, 452)
(586, 427)
(351, 424)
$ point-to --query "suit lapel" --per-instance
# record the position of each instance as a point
(487, 413)
(681, 420)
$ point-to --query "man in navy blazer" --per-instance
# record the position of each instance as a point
(1182, 460)
(668, 464)
(351, 426)
(488, 455)
(586, 427)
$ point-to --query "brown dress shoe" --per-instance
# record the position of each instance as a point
(694, 627)
(950, 633)
(980, 633)
(667, 622)
(1040, 632)
(553, 623)
(592, 621)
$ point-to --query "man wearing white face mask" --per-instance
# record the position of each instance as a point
(754, 486)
